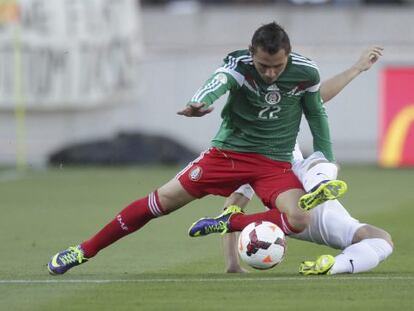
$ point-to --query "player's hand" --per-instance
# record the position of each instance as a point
(368, 58)
(236, 269)
(195, 110)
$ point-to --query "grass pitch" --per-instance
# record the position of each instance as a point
(161, 268)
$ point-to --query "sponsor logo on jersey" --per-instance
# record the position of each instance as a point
(195, 173)
(273, 87)
(221, 77)
(272, 98)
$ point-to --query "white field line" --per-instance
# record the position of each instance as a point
(205, 280)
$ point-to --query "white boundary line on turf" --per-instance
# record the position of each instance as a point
(207, 280)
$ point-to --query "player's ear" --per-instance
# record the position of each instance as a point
(251, 49)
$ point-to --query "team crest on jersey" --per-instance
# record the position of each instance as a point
(195, 173)
(272, 98)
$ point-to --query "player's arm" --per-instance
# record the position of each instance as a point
(318, 121)
(333, 86)
(221, 82)
(231, 255)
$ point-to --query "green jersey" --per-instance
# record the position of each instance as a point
(265, 118)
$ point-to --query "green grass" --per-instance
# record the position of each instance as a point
(160, 268)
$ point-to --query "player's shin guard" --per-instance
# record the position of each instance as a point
(239, 221)
(362, 256)
(130, 219)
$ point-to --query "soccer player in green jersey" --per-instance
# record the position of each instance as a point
(269, 88)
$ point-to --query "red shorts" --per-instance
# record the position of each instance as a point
(221, 172)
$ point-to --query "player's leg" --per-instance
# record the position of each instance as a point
(319, 179)
(370, 246)
(281, 193)
(364, 246)
(311, 172)
(362, 256)
(286, 203)
(208, 174)
(166, 199)
(241, 198)
(284, 210)
(163, 201)
(234, 220)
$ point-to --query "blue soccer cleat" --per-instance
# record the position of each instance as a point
(65, 260)
(219, 224)
(327, 190)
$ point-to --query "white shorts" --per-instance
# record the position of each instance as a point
(331, 225)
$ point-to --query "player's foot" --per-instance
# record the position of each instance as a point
(328, 190)
(322, 265)
(219, 224)
(65, 260)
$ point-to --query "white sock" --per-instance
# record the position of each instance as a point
(361, 256)
(319, 173)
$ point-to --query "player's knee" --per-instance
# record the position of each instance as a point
(372, 232)
(172, 196)
(387, 237)
(168, 201)
(299, 220)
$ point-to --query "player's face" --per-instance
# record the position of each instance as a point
(270, 66)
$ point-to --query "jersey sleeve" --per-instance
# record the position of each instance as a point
(226, 78)
(317, 118)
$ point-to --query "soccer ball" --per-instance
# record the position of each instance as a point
(262, 245)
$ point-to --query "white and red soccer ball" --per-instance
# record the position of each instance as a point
(262, 245)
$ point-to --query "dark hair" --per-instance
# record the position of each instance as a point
(271, 38)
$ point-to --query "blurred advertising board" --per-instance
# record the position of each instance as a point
(396, 140)
(67, 53)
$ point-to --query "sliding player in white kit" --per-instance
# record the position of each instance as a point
(363, 246)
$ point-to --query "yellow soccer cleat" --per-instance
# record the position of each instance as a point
(329, 190)
(322, 265)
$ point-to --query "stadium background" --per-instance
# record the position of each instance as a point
(73, 71)
(88, 70)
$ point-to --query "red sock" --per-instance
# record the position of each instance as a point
(130, 219)
(239, 221)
